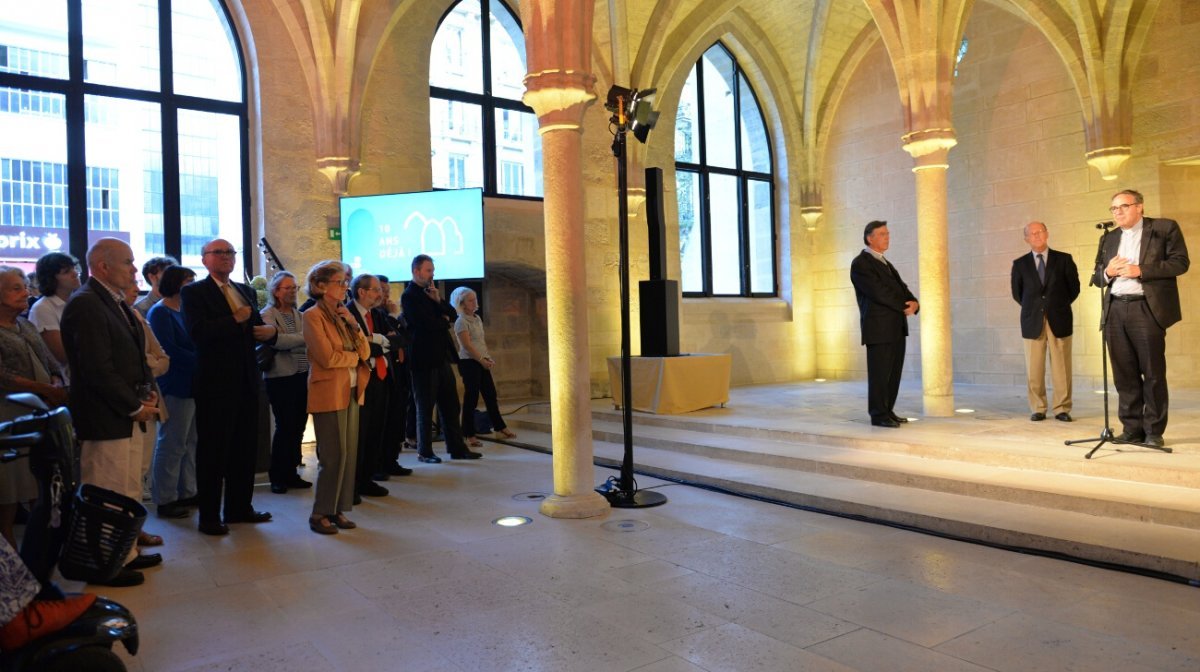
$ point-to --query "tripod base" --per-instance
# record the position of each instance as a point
(1106, 436)
(633, 499)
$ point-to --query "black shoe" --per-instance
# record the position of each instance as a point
(124, 579)
(396, 470)
(279, 489)
(251, 516)
(1037, 417)
(380, 476)
(1131, 437)
(144, 561)
(1152, 440)
(194, 500)
(1063, 417)
(466, 455)
(299, 483)
(430, 459)
(173, 510)
(357, 499)
(217, 529)
(371, 489)
(899, 418)
(885, 422)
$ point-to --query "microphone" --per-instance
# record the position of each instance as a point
(1106, 225)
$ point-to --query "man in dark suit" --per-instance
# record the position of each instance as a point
(1045, 282)
(429, 357)
(222, 317)
(111, 396)
(884, 304)
(396, 429)
(1138, 264)
(365, 297)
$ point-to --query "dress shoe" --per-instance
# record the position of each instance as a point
(173, 510)
(380, 476)
(145, 561)
(1153, 440)
(1063, 417)
(43, 617)
(251, 516)
(884, 422)
(466, 455)
(430, 459)
(342, 522)
(217, 529)
(124, 579)
(1037, 417)
(279, 489)
(899, 418)
(370, 489)
(357, 499)
(299, 483)
(321, 525)
(1131, 437)
(396, 470)
(194, 500)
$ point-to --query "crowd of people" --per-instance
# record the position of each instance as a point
(164, 388)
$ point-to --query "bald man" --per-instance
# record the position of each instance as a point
(222, 317)
(111, 395)
(1046, 282)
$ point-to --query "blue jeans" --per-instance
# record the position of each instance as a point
(175, 452)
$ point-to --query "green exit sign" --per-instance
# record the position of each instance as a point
(335, 234)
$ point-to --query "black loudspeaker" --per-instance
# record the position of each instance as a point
(660, 317)
(655, 221)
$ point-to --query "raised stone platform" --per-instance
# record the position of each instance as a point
(989, 475)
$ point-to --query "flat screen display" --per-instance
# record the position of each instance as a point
(381, 234)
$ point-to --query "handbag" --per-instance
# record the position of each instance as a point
(264, 354)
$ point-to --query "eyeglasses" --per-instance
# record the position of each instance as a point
(223, 253)
(1121, 207)
(335, 282)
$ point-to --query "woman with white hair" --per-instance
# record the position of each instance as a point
(287, 382)
(475, 366)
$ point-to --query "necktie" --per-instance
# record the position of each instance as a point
(227, 290)
(1041, 268)
(380, 367)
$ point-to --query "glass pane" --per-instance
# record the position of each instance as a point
(123, 140)
(508, 54)
(687, 123)
(756, 153)
(120, 43)
(762, 253)
(33, 175)
(456, 135)
(725, 233)
(719, 138)
(33, 38)
(210, 182)
(691, 260)
(456, 60)
(518, 154)
(205, 57)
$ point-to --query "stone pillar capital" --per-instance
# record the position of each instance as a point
(559, 97)
(1108, 160)
(930, 148)
(339, 170)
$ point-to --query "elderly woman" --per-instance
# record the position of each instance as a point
(158, 362)
(26, 365)
(337, 377)
(174, 483)
(475, 366)
(287, 382)
(56, 276)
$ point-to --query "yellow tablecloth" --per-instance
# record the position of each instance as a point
(671, 385)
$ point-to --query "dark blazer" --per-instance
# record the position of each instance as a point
(881, 297)
(224, 348)
(107, 355)
(379, 319)
(430, 343)
(1164, 256)
(1051, 301)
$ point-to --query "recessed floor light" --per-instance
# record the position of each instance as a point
(964, 410)
(512, 521)
(818, 380)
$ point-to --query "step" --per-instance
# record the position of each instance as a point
(1111, 498)
(1152, 546)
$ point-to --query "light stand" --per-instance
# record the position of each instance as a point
(627, 105)
(1106, 435)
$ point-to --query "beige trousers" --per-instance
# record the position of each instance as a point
(115, 465)
(1059, 350)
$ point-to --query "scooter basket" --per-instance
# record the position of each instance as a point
(104, 527)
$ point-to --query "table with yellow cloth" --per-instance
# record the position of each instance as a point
(669, 385)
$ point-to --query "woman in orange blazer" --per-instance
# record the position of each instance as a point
(337, 376)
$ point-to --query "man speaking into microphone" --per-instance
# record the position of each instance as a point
(1138, 264)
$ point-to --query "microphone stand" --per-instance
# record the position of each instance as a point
(1106, 435)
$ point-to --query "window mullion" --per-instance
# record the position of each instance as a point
(76, 152)
(172, 204)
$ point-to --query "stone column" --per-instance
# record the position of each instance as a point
(560, 99)
(930, 151)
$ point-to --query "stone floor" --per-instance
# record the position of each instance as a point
(706, 582)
